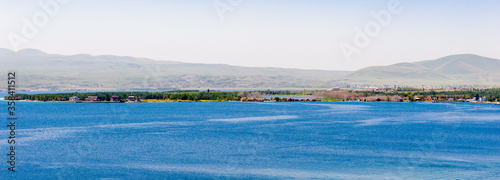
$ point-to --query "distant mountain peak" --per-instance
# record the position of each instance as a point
(459, 69)
(461, 55)
(31, 52)
(457, 64)
(4, 51)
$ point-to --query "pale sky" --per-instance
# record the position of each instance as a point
(305, 34)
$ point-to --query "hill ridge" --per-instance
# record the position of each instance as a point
(40, 70)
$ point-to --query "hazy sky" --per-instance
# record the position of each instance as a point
(305, 34)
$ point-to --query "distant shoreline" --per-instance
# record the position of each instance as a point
(207, 101)
(335, 94)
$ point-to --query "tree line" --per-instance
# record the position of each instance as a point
(195, 95)
(106, 96)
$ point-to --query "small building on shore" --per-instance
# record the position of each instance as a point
(74, 98)
(92, 98)
(131, 98)
(115, 98)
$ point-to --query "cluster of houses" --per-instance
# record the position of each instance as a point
(274, 100)
(418, 98)
(114, 98)
(377, 98)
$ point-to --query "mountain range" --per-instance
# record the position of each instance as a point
(463, 69)
(37, 70)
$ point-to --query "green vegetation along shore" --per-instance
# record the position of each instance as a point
(393, 95)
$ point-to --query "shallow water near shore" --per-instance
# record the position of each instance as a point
(283, 140)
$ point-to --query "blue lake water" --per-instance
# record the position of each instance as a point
(296, 140)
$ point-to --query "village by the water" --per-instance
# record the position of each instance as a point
(393, 94)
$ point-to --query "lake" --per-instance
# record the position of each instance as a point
(281, 140)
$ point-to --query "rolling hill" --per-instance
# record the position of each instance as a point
(38, 70)
(464, 69)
